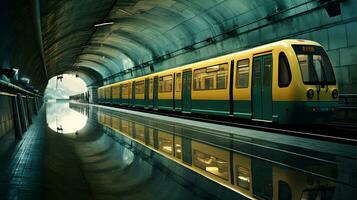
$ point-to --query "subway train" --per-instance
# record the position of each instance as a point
(285, 82)
(250, 176)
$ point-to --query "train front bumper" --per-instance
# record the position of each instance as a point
(305, 112)
(319, 112)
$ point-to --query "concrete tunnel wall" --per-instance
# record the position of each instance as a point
(336, 34)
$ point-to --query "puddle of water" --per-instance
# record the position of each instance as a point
(61, 118)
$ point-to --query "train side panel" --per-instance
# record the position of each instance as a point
(125, 93)
(139, 92)
(242, 81)
(115, 94)
(210, 87)
(165, 90)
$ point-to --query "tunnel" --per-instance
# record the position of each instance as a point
(178, 99)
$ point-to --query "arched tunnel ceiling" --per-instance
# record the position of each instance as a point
(142, 31)
(45, 38)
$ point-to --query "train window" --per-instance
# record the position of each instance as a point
(267, 71)
(242, 74)
(178, 147)
(129, 90)
(284, 191)
(243, 177)
(211, 78)
(178, 82)
(211, 164)
(314, 64)
(124, 89)
(209, 82)
(165, 84)
(115, 91)
(198, 76)
(151, 85)
(139, 87)
(221, 80)
(257, 73)
(284, 77)
(107, 93)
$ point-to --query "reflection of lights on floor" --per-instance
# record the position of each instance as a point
(213, 170)
(205, 160)
(167, 148)
(221, 161)
(242, 178)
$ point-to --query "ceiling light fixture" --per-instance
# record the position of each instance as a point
(104, 24)
(124, 11)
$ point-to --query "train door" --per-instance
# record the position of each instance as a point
(186, 91)
(120, 101)
(147, 90)
(129, 93)
(133, 93)
(156, 92)
(110, 95)
(262, 87)
(178, 92)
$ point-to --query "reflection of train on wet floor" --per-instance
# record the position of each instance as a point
(251, 177)
(83, 97)
(290, 81)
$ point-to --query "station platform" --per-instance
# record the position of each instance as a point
(47, 164)
(81, 151)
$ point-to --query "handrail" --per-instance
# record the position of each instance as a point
(17, 88)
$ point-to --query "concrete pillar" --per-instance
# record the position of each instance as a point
(22, 113)
(16, 118)
(39, 102)
(29, 110)
(35, 108)
(93, 95)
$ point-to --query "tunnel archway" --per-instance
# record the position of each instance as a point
(63, 86)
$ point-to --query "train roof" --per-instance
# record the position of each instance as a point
(269, 46)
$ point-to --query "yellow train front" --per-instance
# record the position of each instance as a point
(287, 82)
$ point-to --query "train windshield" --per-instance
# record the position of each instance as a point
(315, 65)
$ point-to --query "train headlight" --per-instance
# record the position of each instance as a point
(310, 93)
(334, 94)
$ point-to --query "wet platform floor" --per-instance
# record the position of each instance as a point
(86, 164)
(77, 152)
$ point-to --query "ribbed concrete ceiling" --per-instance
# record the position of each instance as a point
(50, 37)
(143, 30)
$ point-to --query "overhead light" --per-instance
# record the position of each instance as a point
(27, 80)
(104, 24)
(124, 11)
